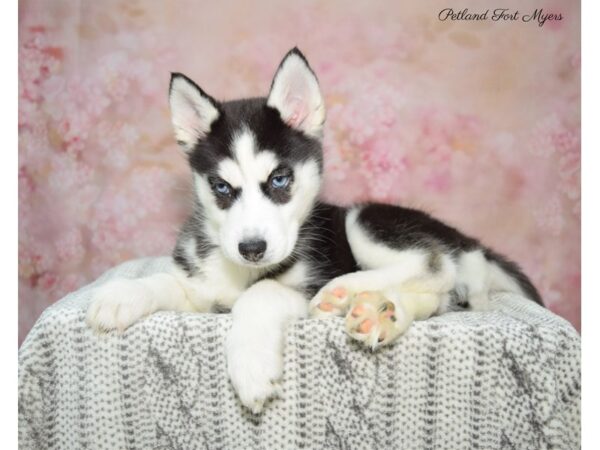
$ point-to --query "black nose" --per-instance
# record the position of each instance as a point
(252, 250)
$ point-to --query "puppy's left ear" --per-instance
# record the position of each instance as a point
(296, 95)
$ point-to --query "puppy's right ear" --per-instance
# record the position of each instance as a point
(192, 111)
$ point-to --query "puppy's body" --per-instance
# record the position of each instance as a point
(323, 252)
(259, 243)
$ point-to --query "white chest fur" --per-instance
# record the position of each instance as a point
(222, 281)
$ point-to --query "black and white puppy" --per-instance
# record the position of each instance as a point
(259, 242)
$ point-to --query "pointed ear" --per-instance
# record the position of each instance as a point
(192, 111)
(296, 95)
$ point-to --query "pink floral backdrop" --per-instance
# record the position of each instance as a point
(475, 122)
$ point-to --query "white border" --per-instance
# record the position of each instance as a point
(590, 222)
(8, 235)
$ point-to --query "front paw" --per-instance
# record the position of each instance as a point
(118, 304)
(255, 371)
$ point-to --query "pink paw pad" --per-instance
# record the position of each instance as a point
(372, 319)
(339, 292)
(365, 326)
(332, 302)
(358, 311)
(325, 306)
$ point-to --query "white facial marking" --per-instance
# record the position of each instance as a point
(253, 215)
(249, 165)
(307, 184)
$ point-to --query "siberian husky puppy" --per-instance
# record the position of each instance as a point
(259, 242)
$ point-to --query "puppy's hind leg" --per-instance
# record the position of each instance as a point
(410, 272)
(334, 298)
(379, 317)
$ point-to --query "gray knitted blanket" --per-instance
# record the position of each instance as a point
(504, 379)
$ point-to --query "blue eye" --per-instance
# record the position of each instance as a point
(280, 181)
(222, 188)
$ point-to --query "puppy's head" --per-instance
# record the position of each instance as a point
(256, 163)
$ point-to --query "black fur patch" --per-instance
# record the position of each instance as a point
(271, 133)
(278, 195)
(434, 261)
(224, 201)
(217, 308)
(322, 243)
(182, 261)
(516, 273)
(401, 228)
(459, 298)
(192, 228)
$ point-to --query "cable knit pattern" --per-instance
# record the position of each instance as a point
(504, 379)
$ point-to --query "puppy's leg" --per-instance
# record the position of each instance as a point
(380, 304)
(409, 272)
(119, 303)
(256, 340)
(400, 283)
(378, 318)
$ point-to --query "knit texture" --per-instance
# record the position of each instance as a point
(503, 379)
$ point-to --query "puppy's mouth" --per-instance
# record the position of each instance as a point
(248, 261)
(255, 264)
(263, 263)
(266, 263)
